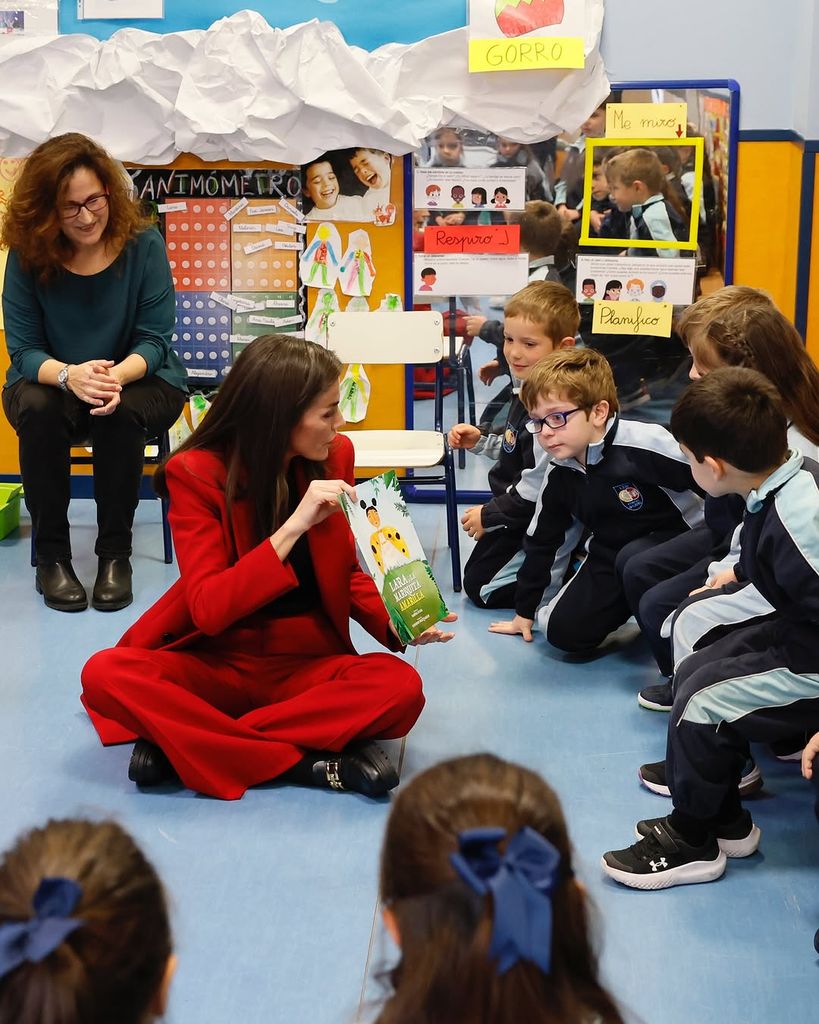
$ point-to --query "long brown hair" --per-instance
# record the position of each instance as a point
(111, 967)
(32, 225)
(264, 396)
(748, 330)
(445, 973)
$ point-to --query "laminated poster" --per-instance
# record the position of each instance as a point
(392, 552)
(469, 188)
(634, 279)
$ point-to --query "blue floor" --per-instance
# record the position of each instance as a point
(274, 896)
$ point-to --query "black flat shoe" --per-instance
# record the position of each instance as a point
(61, 589)
(361, 768)
(112, 589)
(149, 766)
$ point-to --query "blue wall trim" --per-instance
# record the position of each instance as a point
(803, 250)
(770, 135)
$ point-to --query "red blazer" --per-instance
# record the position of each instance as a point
(226, 576)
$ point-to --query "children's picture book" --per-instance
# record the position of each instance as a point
(393, 554)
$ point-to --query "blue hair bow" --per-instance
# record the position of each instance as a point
(521, 882)
(33, 940)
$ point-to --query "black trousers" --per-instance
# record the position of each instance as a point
(658, 579)
(490, 574)
(757, 683)
(47, 421)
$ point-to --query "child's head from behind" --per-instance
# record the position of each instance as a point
(433, 867)
(570, 396)
(538, 319)
(633, 177)
(540, 228)
(101, 952)
(730, 424)
(448, 146)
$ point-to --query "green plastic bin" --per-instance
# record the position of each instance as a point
(10, 495)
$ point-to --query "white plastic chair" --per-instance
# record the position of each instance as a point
(400, 339)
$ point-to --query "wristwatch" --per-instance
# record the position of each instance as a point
(62, 378)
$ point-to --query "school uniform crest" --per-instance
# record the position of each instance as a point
(630, 496)
(510, 438)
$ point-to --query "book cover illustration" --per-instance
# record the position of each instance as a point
(393, 554)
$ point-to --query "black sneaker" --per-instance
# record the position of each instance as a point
(653, 777)
(739, 838)
(656, 698)
(662, 859)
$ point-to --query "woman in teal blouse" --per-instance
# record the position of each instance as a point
(88, 303)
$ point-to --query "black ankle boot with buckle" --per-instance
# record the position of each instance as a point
(362, 768)
(112, 589)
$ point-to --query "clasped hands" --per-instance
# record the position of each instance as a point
(92, 382)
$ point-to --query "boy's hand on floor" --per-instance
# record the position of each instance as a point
(489, 371)
(463, 435)
(474, 324)
(808, 754)
(471, 522)
(517, 627)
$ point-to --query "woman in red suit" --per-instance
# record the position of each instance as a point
(244, 670)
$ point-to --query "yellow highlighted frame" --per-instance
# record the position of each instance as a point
(640, 243)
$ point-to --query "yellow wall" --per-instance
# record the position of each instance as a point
(813, 294)
(769, 181)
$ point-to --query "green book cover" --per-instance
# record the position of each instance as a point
(393, 554)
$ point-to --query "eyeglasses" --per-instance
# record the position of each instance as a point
(93, 204)
(554, 421)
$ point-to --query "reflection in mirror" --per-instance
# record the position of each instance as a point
(650, 371)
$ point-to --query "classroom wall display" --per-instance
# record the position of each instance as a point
(243, 91)
(645, 319)
(606, 149)
(646, 120)
(466, 238)
(620, 278)
(234, 237)
(436, 275)
(521, 35)
(120, 9)
(469, 188)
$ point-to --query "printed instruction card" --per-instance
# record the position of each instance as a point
(392, 552)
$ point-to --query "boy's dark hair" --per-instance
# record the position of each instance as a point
(589, 280)
(427, 270)
(540, 228)
(734, 414)
(446, 972)
(549, 305)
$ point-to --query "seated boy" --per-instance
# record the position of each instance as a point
(636, 182)
(750, 677)
(616, 480)
(541, 317)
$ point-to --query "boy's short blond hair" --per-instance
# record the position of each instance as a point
(549, 305)
(694, 322)
(540, 228)
(581, 374)
(637, 165)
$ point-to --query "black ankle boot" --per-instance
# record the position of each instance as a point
(61, 589)
(112, 589)
(149, 766)
(361, 768)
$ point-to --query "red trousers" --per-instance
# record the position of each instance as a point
(230, 716)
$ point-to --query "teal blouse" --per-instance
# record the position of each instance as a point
(127, 308)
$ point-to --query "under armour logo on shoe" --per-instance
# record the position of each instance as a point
(657, 864)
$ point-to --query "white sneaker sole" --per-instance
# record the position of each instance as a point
(734, 848)
(686, 874)
(748, 784)
(650, 705)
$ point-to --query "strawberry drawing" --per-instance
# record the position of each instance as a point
(516, 17)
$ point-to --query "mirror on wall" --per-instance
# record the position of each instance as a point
(697, 184)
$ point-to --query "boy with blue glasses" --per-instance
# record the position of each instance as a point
(609, 482)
